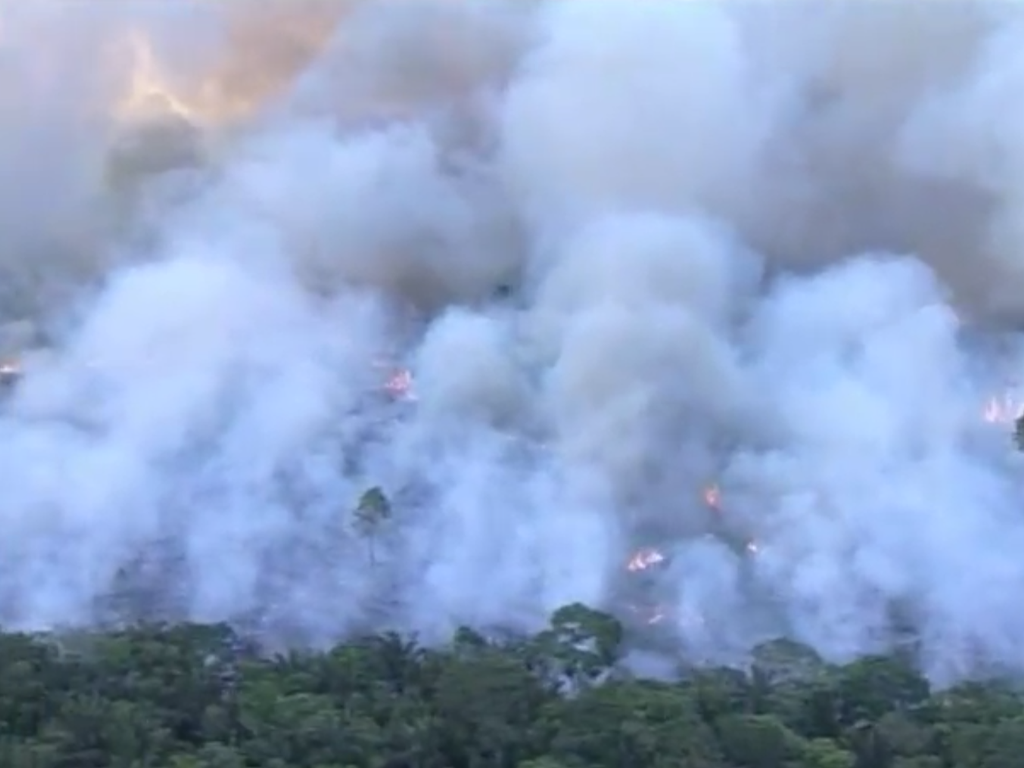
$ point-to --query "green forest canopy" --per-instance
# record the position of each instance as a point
(194, 696)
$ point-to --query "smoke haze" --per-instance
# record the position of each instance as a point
(627, 250)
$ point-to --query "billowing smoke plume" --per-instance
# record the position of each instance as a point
(727, 285)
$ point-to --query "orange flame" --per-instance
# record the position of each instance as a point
(713, 497)
(264, 52)
(643, 559)
(400, 384)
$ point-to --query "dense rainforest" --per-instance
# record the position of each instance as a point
(200, 696)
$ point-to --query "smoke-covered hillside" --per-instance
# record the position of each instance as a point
(584, 288)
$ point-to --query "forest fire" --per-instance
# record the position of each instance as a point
(652, 613)
(648, 557)
(149, 94)
(400, 385)
(643, 559)
(263, 54)
(397, 382)
(713, 497)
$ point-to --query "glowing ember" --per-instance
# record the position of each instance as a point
(643, 559)
(713, 497)
(400, 385)
(1003, 410)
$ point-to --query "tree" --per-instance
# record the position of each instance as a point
(634, 723)
(489, 707)
(783, 659)
(872, 686)
(542, 762)
(825, 753)
(757, 741)
(580, 644)
(153, 695)
(371, 512)
(985, 702)
(903, 735)
(996, 745)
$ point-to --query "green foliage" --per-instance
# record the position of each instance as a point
(191, 696)
(373, 509)
(874, 685)
(579, 646)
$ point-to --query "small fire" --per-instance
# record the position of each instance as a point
(400, 385)
(643, 559)
(1005, 409)
(713, 497)
(398, 382)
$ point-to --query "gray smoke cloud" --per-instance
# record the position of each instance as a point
(626, 251)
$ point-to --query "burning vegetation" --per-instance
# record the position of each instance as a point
(169, 122)
(649, 559)
(1005, 410)
(643, 559)
(165, 121)
(398, 383)
(262, 54)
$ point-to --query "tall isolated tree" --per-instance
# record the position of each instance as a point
(373, 509)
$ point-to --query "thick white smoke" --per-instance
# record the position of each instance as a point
(626, 250)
